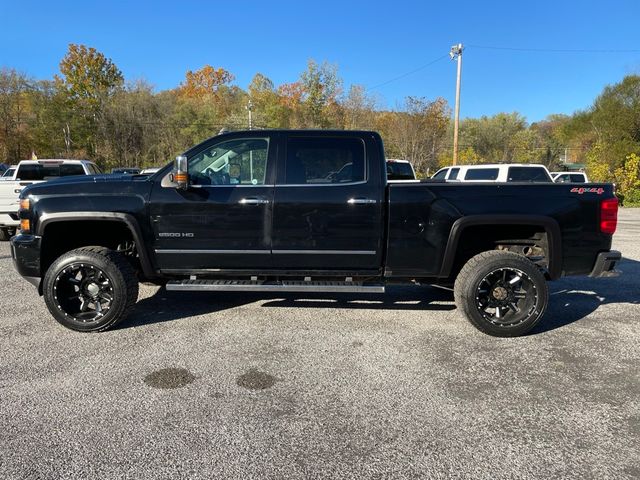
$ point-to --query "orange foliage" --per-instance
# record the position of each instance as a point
(205, 81)
(291, 94)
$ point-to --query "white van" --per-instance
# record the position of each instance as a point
(499, 172)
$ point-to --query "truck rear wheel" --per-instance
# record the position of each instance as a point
(501, 293)
(90, 289)
(5, 234)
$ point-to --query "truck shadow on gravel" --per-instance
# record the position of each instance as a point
(571, 299)
(165, 306)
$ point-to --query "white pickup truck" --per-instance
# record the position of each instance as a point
(34, 171)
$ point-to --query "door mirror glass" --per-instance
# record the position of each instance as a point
(181, 176)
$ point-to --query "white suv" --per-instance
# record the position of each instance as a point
(499, 172)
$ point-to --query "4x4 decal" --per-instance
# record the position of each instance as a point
(581, 190)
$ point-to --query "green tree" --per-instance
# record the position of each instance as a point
(88, 76)
(359, 108)
(628, 175)
(494, 138)
(417, 132)
(15, 110)
(88, 80)
(321, 86)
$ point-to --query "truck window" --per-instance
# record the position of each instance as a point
(37, 171)
(481, 174)
(324, 161)
(399, 171)
(454, 174)
(440, 174)
(528, 174)
(234, 162)
(577, 178)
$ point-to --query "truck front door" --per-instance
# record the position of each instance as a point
(328, 203)
(223, 220)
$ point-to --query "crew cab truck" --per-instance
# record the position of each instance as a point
(264, 211)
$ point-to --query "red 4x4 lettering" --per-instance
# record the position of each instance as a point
(581, 190)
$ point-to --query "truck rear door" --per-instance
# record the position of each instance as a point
(328, 202)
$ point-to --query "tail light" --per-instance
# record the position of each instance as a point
(609, 215)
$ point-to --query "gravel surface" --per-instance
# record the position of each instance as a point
(270, 386)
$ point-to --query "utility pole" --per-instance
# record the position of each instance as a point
(250, 109)
(456, 52)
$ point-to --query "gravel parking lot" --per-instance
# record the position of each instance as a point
(327, 385)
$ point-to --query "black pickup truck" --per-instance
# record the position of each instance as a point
(307, 211)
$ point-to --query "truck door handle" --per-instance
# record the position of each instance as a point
(361, 201)
(253, 201)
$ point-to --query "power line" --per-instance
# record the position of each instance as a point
(415, 70)
(554, 50)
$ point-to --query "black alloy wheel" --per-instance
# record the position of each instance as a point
(506, 296)
(501, 293)
(90, 289)
(84, 292)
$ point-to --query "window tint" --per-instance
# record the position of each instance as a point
(234, 162)
(40, 171)
(399, 171)
(481, 174)
(528, 174)
(440, 175)
(324, 160)
(454, 174)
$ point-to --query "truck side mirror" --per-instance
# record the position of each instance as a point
(181, 177)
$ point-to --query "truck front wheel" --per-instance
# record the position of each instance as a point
(90, 289)
(501, 293)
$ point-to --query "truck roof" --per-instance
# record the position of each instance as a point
(499, 165)
(43, 161)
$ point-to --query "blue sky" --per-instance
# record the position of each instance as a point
(370, 42)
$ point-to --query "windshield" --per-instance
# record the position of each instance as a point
(8, 172)
(440, 174)
(38, 171)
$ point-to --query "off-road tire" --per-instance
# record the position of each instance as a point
(121, 280)
(468, 292)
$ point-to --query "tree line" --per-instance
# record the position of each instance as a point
(88, 110)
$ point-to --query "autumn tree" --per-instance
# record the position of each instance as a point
(492, 138)
(417, 131)
(321, 86)
(359, 108)
(88, 80)
(204, 82)
(14, 112)
(268, 110)
(88, 76)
